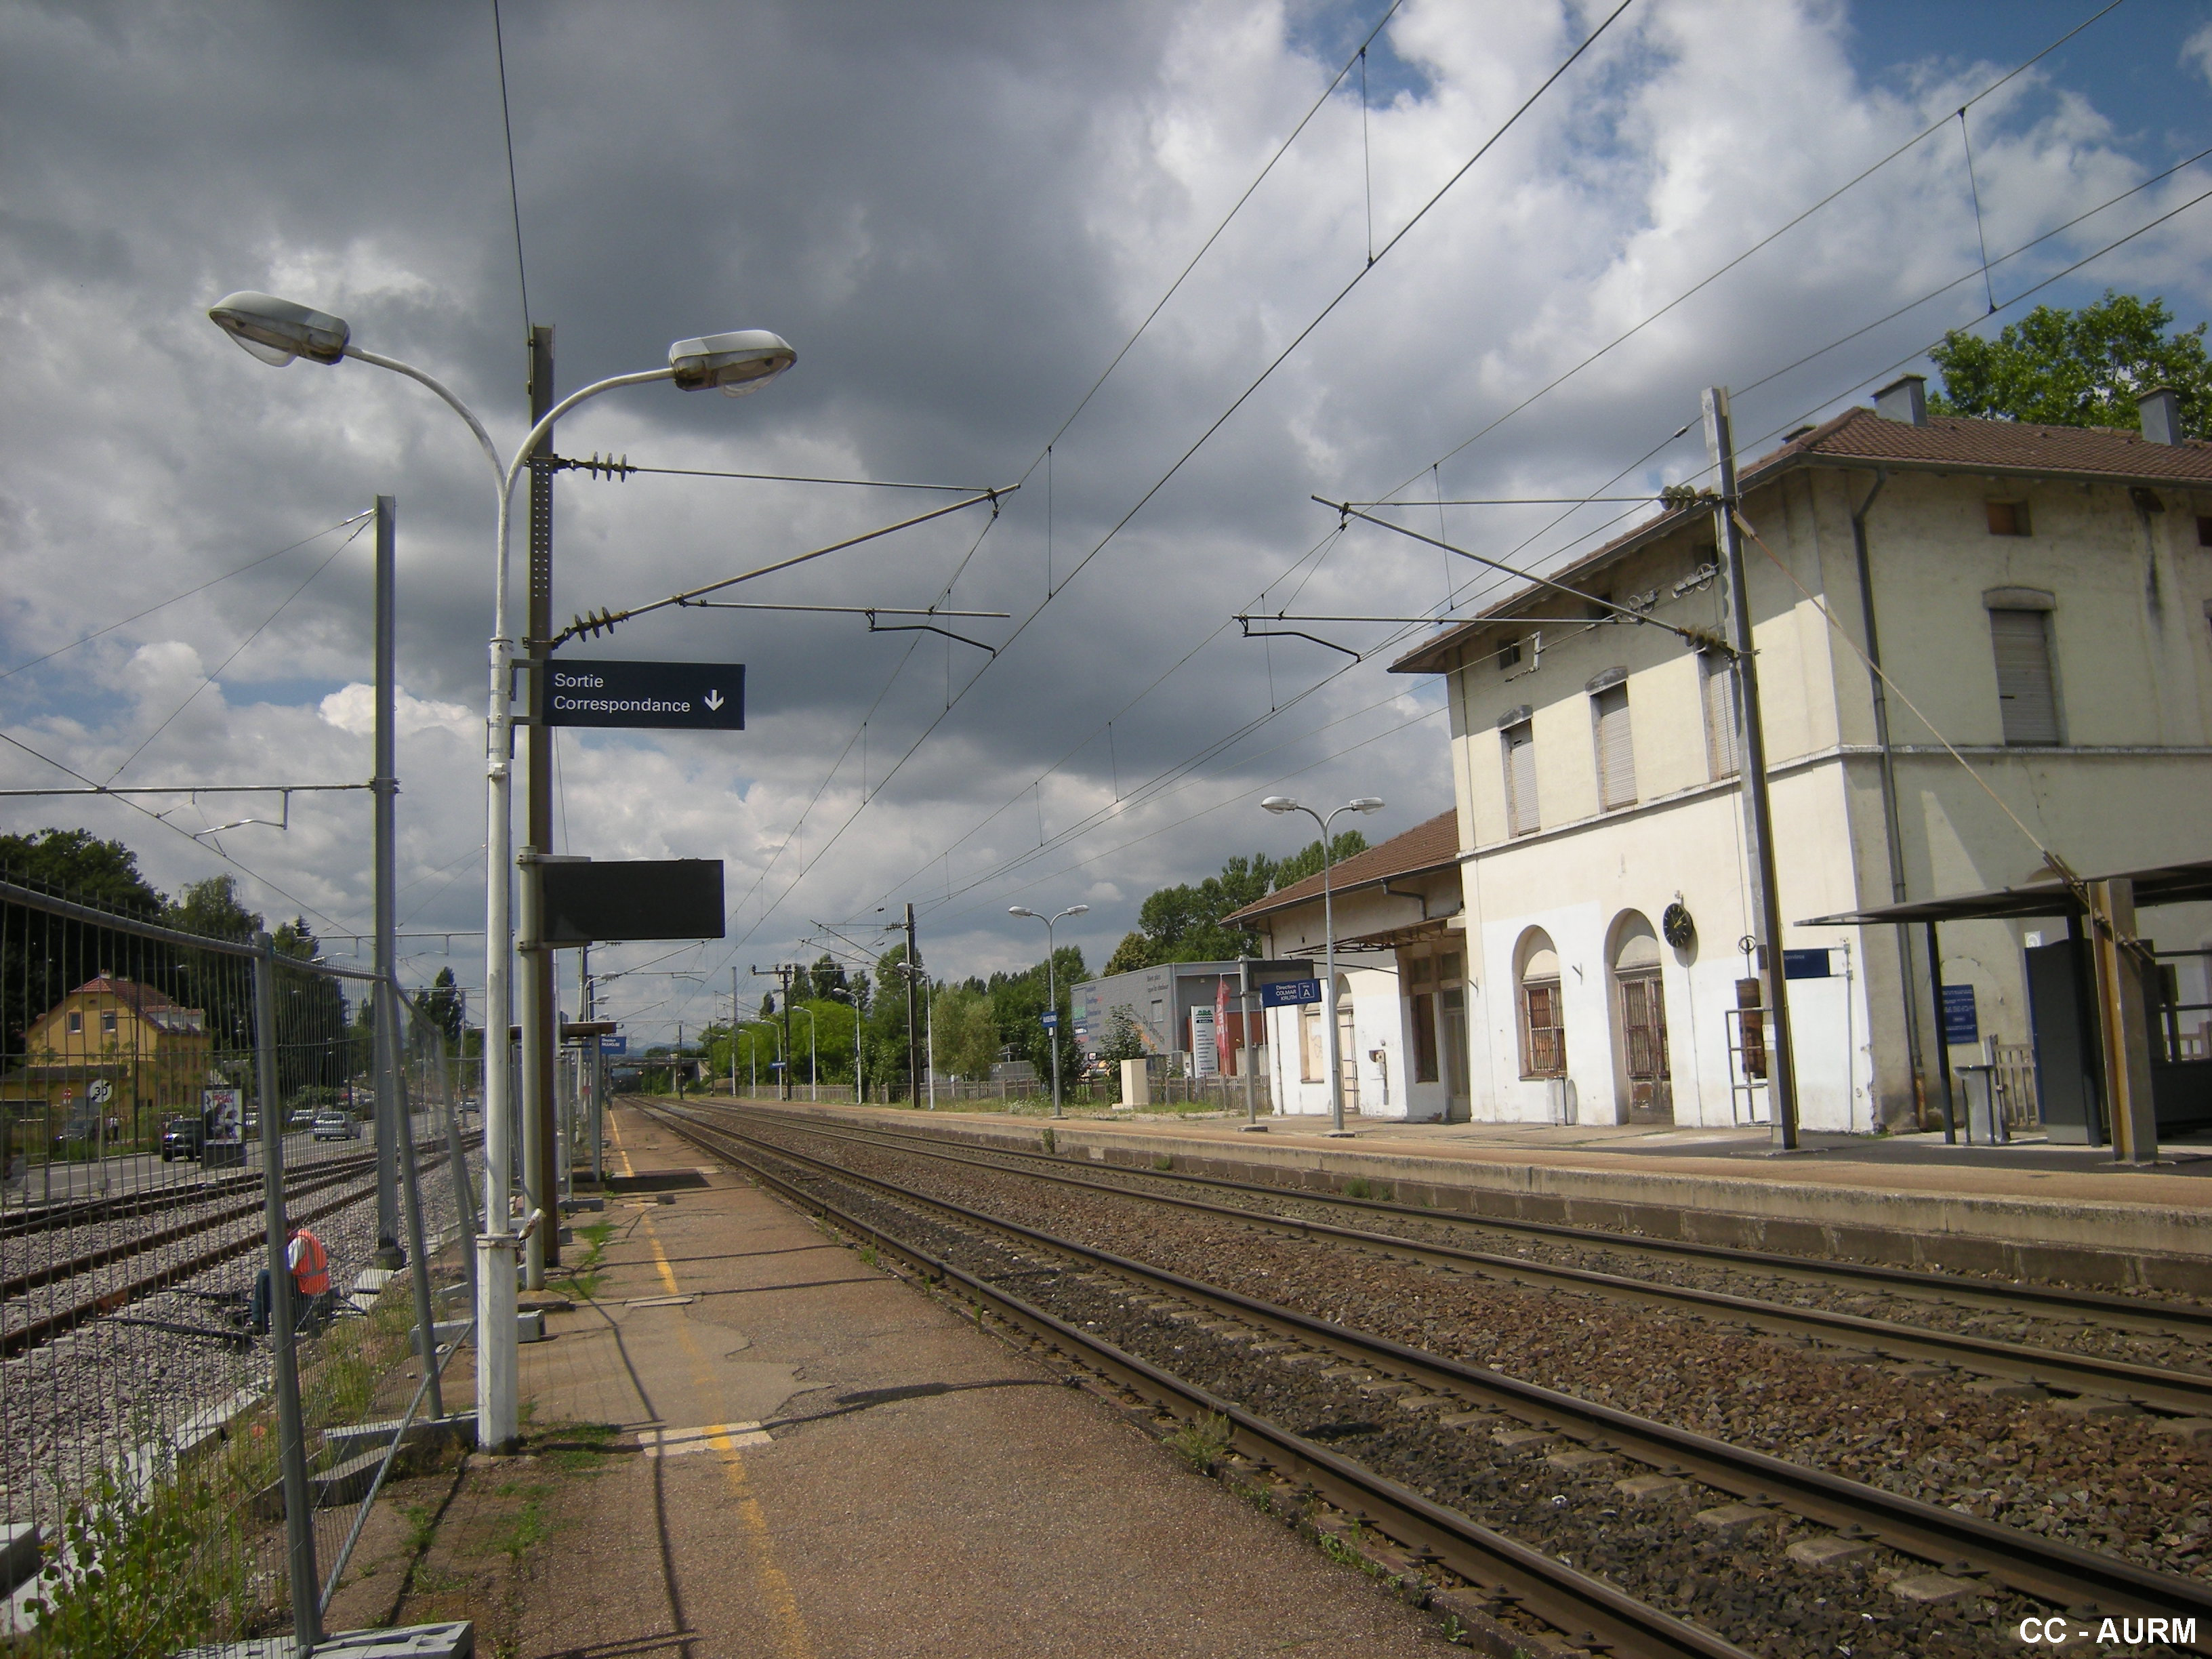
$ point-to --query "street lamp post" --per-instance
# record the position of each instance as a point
(278, 331)
(1052, 985)
(1362, 803)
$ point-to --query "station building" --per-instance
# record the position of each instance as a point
(2041, 597)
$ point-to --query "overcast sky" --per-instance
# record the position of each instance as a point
(958, 215)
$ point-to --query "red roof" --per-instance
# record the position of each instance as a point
(127, 990)
(1430, 846)
(1859, 436)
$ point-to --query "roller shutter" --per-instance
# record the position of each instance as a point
(2026, 696)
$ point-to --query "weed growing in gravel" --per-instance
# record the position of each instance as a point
(1200, 1443)
(868, 1254)
(1047, 1139)
(1356, 1187)
(1163, 1162)
(530, 1525)
(583, 1280)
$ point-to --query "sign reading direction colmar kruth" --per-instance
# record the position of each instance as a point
(696, 696)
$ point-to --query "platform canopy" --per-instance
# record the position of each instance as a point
(2164, 884)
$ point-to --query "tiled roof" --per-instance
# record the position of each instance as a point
(1860, 436)
(1430, 846)
(2096, 451)
(144, 997)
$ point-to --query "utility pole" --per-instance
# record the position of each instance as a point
(733, 1030)
(782, 971)
(912, 1036)
(391, 1128)
(1758, 808)
(534, 1011)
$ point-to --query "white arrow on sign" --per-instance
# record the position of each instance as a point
(713, 698)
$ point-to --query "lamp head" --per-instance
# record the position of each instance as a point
(278, 331)
(1076, 910)
(1019, 910)
(1366, 804)
(740, 362)
(1280, 803)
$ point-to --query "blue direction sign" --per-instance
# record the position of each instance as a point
(1290, 993)
(695, 697)
(1051, 1021)
(615, 1045)
(1960, 1024)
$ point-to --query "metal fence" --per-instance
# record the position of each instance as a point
(194, 1405)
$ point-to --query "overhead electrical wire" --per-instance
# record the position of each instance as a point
(1738, 259)
(202, 588)
(1266, 373)
(1488, 582)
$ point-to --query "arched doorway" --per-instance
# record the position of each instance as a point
(1543, 1019)
(1640, 1011)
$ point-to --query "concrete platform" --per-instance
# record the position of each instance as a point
(2029, 1211)
(842, 1467)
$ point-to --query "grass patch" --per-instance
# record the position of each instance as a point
(528, 1526)
(583, 1280)
(1355, 1187)
(1162, 1161)
(1199, 1444)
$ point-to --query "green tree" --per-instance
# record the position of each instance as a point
(1134, 951)
(74, 864)
(441, 1006)
(2085, 367)
(1184, 923)
(967, 1032)
(43, 958)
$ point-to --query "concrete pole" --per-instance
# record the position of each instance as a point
(912, 1035)
(1244, 1008)
(1759, 813)
(384, 785)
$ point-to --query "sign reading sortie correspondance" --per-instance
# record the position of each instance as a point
(695, 697)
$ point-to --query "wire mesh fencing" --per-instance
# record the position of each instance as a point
(202, 1319)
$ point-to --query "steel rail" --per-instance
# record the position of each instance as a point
(1587, 1608)
(2008, 1295)
(92, 1261)
(86, 1211)
(2188, 1394)
(2047, 1570)
(34, 1333)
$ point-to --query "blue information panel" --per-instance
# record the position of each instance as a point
(1806, 964)
(1051, 1020)
(1960, 1024)
(615, 1045)
(1290, 993)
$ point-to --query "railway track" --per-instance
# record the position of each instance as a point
(346, 1180)
(82, 1211)
(1454, 1395)
(2180, 1393)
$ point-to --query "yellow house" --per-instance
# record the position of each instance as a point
(151, 1052)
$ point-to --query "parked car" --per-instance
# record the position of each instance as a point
(182, 1137)
(330, 1124)
(303, 1118)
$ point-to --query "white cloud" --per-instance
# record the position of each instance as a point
(2197, 49)
(352, 708)
(956, 214)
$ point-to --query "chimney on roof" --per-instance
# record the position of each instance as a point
(1905, 400)
(2161, 410)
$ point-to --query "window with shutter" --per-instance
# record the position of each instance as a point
(2026, 696)
(1519, 744)
(1717, 677)
(1616, 754)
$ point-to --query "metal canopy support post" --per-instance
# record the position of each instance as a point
(283, 1316)
(534, 1007)
(1758, 808)
(1943, 1038)
(2123, 1022)
(386, 785)
(1244, 1008)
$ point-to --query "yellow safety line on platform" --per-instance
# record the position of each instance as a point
(783, 1603)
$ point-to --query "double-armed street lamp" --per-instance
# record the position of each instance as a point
(1051, 984)
(1364, 804)
(278, 331)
